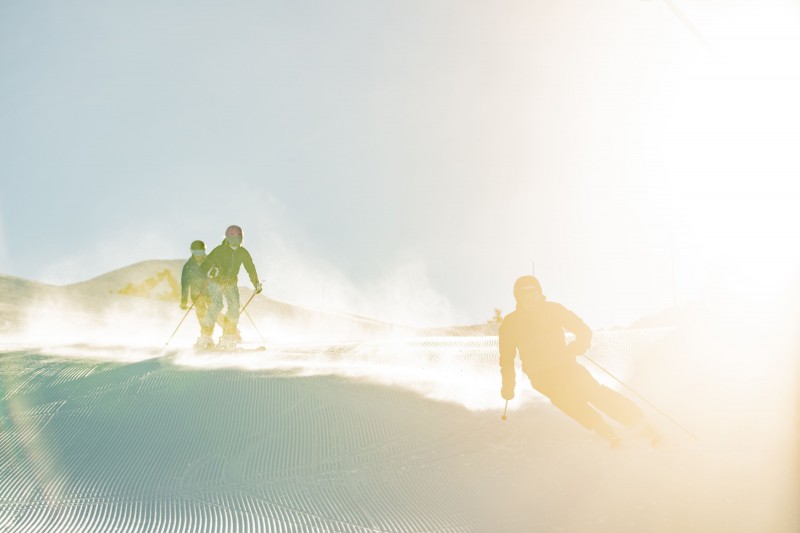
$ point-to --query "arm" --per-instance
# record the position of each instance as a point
(184, 284)
(209, 263)
(583, 333)
(247, 261)
(508, 353)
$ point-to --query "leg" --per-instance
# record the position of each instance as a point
(560, 388)
(214, 307)
(580, 411)
(201, 309)
(605, 400)
(616, 406)
(232, 316)
(230, 335)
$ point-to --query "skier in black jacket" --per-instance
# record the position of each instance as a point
(536, 329)
(221, 267)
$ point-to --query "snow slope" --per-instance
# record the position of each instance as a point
(403, 436)
(345, 426)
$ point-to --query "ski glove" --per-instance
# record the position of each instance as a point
(184, 306)
(507, 392)
(259, 288)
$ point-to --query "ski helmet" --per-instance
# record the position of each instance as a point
(527, 283)
(197, 245)
(233, 230)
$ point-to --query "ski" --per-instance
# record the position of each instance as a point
(232, 349)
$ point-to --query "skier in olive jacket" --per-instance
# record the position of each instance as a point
(221, 267)
(193, 282)
(537, 330)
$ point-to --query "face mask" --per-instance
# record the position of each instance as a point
(234, 241)
(529, 299)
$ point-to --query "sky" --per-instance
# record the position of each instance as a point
(409, 159)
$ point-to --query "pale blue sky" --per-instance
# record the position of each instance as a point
(463, 138)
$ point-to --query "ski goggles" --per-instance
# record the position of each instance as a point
(528, 293)
(198, 253)
(528, 290)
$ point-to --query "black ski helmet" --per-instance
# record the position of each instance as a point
(197, 245)
(527, 282)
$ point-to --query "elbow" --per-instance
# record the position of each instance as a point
(583, 346)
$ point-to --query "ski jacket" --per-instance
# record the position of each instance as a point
(192, 280)
(539, 336)
(223, 264)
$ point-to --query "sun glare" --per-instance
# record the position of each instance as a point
(719, 171)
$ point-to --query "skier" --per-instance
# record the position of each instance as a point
(194, 284)
(221, 267)
(536, 329)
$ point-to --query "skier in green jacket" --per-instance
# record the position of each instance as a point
(536, 330)
(221, 267)
(193, 283)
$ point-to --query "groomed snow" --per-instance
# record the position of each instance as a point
(398, 435)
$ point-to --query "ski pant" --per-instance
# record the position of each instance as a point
(221, 295)
(201, 304)
(574, 391)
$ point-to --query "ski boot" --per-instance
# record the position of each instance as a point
(230, 329)
(227, 342)
(204, 342)
(651, 434)
(230, 338)
(614, 441)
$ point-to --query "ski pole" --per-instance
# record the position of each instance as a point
(242, 310)
(205, 288)
(179, 324)
(662, 413)
(254, 326)
(504, 417)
